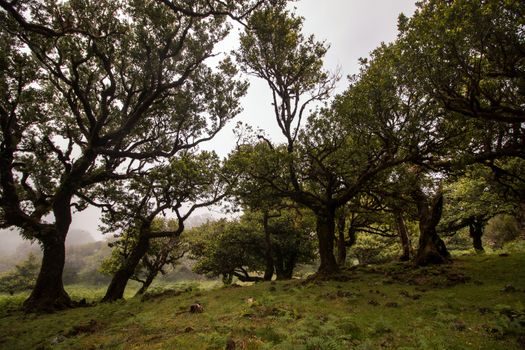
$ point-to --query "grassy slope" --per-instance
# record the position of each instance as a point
(390, 306)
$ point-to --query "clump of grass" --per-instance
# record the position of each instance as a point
(10, 303)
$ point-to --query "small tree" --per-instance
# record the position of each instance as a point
(22, 278)
(238, 248)
(130, 208)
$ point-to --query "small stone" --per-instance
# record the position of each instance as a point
(509, 288)
(58, 339)
(188, 329)
(196, 308)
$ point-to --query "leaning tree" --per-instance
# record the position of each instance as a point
(131, 207)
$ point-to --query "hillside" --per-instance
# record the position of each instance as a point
(474, 303)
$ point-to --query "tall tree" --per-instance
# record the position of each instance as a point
(106, 86)
(380, 121)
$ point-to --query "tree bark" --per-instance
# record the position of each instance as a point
(120, 279)
(341, 242)
(268, 272)
(476, 232)
(289, 266)
(432, 249)
(145, 285)
(325, 227)
(49, 293)
(279, 264)
(284, 265)
(521, 217)
(403, 234)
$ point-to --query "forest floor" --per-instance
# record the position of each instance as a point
(477, 302)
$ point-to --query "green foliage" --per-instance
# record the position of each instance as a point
(274, 47)
(224, 248)
(22, 278)
(237, 248)
(374, 249)
(502, 229)
(474, 198)
(468, 54)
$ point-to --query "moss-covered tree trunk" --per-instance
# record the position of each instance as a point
(431, 249)
(284, 265)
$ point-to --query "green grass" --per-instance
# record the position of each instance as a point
(475, 303)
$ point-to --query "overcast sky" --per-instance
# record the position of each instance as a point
(353, 28)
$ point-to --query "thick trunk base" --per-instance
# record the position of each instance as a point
(325, 235)
(47, 301)
(48, 294)
(476, 232)
(432, 252)
(117, 286)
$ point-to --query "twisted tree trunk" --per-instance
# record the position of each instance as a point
(147, 282)
(431, 249)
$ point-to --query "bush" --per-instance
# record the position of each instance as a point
(501, 229)
(374, 249)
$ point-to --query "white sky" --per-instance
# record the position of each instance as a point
(353, 28)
